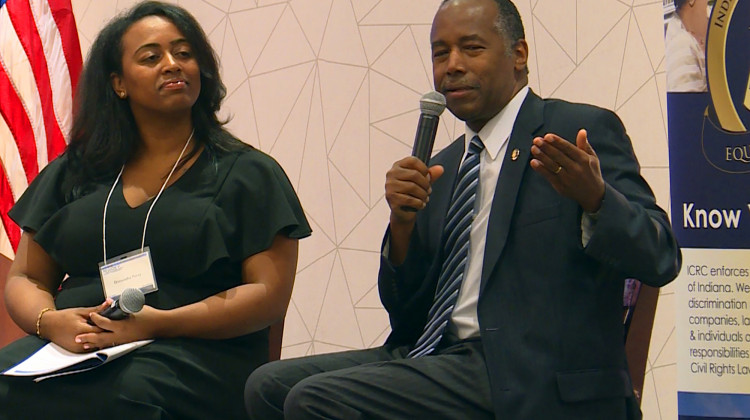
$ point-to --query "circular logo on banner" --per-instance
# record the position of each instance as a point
(725, 135)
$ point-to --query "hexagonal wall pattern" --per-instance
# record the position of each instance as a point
(330, 88)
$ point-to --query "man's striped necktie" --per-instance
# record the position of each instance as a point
(456, 238)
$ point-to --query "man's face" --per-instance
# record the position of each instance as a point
(470, 63)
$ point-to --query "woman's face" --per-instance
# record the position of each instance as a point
(160, 74)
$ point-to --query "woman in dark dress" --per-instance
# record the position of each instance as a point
(149, 167)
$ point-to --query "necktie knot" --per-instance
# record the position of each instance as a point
(475, 146)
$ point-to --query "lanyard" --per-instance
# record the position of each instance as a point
(145, 223)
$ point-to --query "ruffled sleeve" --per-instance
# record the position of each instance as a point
(42, 198)
(254, 204)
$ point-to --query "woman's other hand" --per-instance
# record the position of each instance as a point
(110, 333)
(64, 326)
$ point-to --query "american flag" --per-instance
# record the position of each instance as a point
(40, 60)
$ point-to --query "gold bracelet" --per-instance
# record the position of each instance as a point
(39, 321)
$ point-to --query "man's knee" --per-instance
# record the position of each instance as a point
(265, 392)
(313, 398)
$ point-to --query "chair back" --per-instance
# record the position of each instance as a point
(275, 335)
(639, 307)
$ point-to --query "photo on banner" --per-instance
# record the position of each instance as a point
(707, 64)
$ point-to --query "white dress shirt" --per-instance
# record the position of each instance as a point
(495, 135)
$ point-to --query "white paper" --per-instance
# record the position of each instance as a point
(53, 360)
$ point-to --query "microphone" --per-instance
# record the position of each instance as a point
(431, 105)
(130, 301)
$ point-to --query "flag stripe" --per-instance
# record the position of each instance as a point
(12, 184)
(6, 248)
(65, 22)
(13, 111)
(57, 66)
(20, 74)
(11, 230)
(12, 170)
(21, 16)
(62, 59)
(17, 82)
(40, 62)
(11, 162)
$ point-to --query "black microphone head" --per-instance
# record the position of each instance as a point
(131, 300)
(432, 103)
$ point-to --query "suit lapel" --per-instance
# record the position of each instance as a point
(526, 127)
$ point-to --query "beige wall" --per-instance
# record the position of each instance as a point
(330, 88)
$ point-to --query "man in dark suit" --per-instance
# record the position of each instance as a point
(558, 218)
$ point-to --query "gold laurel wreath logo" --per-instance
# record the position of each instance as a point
(716, 63)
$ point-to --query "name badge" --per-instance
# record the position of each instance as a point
(133, 269)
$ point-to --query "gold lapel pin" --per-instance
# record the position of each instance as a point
(514, 155)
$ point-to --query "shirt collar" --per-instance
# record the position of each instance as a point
(497, 131)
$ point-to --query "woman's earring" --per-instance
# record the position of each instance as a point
(122, 95)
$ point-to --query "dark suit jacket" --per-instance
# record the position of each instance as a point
(550, 310)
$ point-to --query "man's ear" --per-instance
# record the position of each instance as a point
(118, 86)
(521, 54)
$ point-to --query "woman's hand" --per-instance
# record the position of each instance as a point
(63, 326)
(110, 333)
